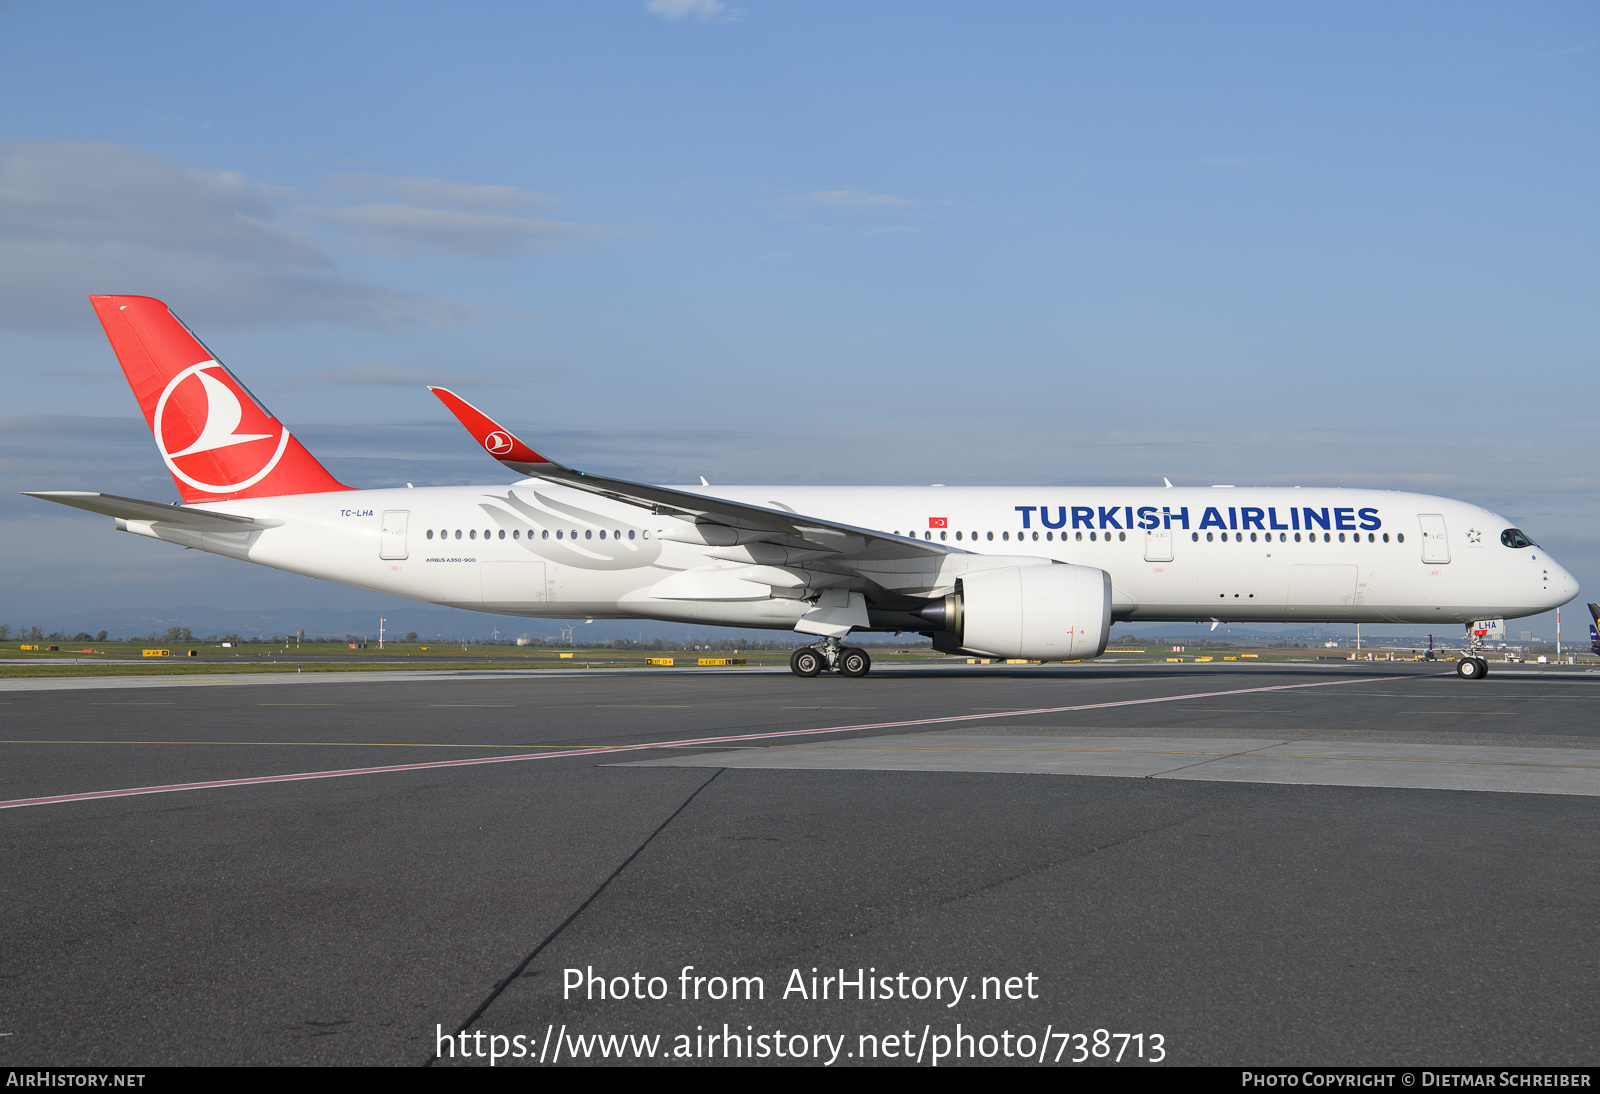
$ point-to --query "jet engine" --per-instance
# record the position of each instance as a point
(1054, 612)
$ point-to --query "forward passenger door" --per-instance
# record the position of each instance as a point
(1435, 542)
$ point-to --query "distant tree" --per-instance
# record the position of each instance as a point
(5, 631)
(82, 636)
(211, 638)
(411, 636)
(100, 637)
(179, 634)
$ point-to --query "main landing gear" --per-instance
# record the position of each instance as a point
(830, 656)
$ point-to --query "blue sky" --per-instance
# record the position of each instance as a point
(1049, 243)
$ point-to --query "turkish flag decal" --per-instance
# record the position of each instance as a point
(938, 522)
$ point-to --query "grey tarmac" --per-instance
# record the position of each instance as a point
(1246, 918)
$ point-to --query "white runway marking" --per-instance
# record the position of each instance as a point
(214, 784)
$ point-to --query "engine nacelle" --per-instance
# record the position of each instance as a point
(1043, 613)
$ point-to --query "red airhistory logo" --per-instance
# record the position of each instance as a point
(191, 451)
(938, 522)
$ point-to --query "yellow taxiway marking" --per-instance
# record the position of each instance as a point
(304, 744)
(1180, 752)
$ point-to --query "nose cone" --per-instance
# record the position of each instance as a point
(1560, 584)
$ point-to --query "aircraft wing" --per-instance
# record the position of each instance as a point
(861, 551)
(201, 520)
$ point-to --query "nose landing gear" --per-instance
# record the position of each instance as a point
(830, 655)
(1473, 665)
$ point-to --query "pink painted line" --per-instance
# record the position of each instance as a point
(599, 750)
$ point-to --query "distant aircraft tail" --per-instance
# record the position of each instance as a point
(1594, 628)
(217, 439)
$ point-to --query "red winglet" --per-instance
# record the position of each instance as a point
(497, 440)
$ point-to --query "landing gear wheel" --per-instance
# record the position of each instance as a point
(1483, 667)
(854, 662)
(806, 662)
(1470, 668)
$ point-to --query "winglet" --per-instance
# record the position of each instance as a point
(495, 438)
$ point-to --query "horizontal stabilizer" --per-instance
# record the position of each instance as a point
(134, 509)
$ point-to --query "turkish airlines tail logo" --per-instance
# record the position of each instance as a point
(205, 394)
(215, 437)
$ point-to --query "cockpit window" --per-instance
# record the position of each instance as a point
(1513, 537)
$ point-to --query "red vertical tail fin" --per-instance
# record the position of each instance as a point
(216, 438)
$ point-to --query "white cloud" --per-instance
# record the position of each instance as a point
(441, 193)
(410, 376)
(854, 199)
(1233, 161)
(707, 11)
(85, 218)
(397, 230)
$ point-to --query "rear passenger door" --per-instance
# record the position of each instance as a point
(393, 543)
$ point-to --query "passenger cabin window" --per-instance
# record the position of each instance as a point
(1514, 537)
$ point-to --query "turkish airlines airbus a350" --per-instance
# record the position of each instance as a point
(1018, 572)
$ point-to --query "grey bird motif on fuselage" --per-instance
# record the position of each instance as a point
(552, 531)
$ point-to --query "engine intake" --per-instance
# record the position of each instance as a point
(1055, 612)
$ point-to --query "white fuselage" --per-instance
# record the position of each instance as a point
(1176, 554)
